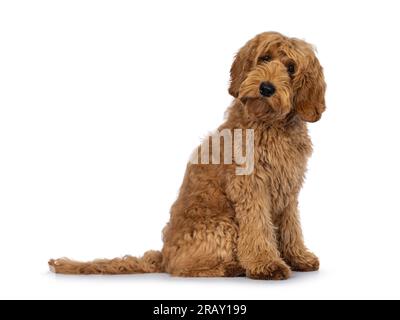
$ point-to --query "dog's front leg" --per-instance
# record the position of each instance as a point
(257, 248)
(291, 243)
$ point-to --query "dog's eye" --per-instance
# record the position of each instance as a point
(291, 68)
(266, 58)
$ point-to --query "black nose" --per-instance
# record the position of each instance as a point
(267, 89)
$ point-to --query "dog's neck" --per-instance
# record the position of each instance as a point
(238, 115)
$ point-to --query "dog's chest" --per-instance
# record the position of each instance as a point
(283, 157)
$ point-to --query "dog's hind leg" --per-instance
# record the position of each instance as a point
(207, 251)
(221, 270)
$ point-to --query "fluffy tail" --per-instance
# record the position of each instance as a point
(151, 262)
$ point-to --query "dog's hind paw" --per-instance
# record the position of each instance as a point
(275, 270)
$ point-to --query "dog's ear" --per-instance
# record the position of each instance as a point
(309, 101)
(243, 63)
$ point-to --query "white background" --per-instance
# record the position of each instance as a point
(101, 103)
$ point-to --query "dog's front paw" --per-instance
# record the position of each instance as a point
(274, 270)
(304, 262)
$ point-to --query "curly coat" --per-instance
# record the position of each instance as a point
(223, 224)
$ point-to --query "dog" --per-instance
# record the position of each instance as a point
(225, 224)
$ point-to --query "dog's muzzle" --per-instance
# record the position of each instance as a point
(267, 89)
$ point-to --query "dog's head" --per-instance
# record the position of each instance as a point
(273, 73)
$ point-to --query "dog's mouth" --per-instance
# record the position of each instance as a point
(264, 97)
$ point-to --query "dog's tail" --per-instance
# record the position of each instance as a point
(151, 262)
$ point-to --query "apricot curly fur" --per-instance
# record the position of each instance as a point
(223, 224)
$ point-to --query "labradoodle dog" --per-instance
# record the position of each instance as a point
(229, 224)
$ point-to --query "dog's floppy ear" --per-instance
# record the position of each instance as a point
(309, 101)
(244, 61)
